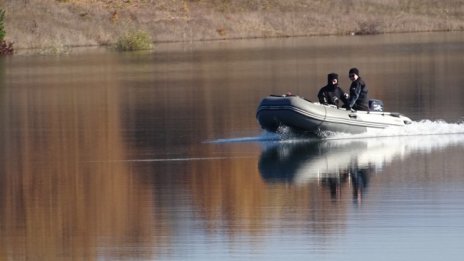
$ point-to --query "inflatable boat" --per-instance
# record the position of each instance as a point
(306, 117)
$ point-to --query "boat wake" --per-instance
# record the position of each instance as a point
(416, 128)
(264, 137)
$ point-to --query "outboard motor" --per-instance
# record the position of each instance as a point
(375, 105)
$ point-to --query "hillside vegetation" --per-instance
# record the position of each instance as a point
(58, 23)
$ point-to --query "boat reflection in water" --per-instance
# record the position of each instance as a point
(333, 163)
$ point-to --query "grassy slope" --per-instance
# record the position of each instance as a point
(52, 23)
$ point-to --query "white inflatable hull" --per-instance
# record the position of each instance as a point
(313, 118)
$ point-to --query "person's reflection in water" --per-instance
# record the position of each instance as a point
(359, 181)
(334, 184)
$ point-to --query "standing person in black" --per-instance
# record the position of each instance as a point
(358, 99)
(332, 93)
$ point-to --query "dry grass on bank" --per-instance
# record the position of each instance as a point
(45, 23)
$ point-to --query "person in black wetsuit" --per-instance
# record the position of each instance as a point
(358, 99)
(332, 93)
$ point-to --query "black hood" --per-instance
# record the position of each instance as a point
(330, 77)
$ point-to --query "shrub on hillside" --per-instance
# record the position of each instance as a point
(368, 27)
(2, 25)
(5, 47)
(134, 41)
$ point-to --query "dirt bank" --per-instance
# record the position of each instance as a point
(59, 23)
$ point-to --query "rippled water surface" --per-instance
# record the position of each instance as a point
(158, 155)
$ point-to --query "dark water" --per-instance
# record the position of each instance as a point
(158, 156)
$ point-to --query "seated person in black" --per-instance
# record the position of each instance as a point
(332, 93)
(358, 92)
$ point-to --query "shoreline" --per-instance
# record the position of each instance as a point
(54, 26)
(54, 50)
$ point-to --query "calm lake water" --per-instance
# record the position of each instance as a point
(158, 155)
